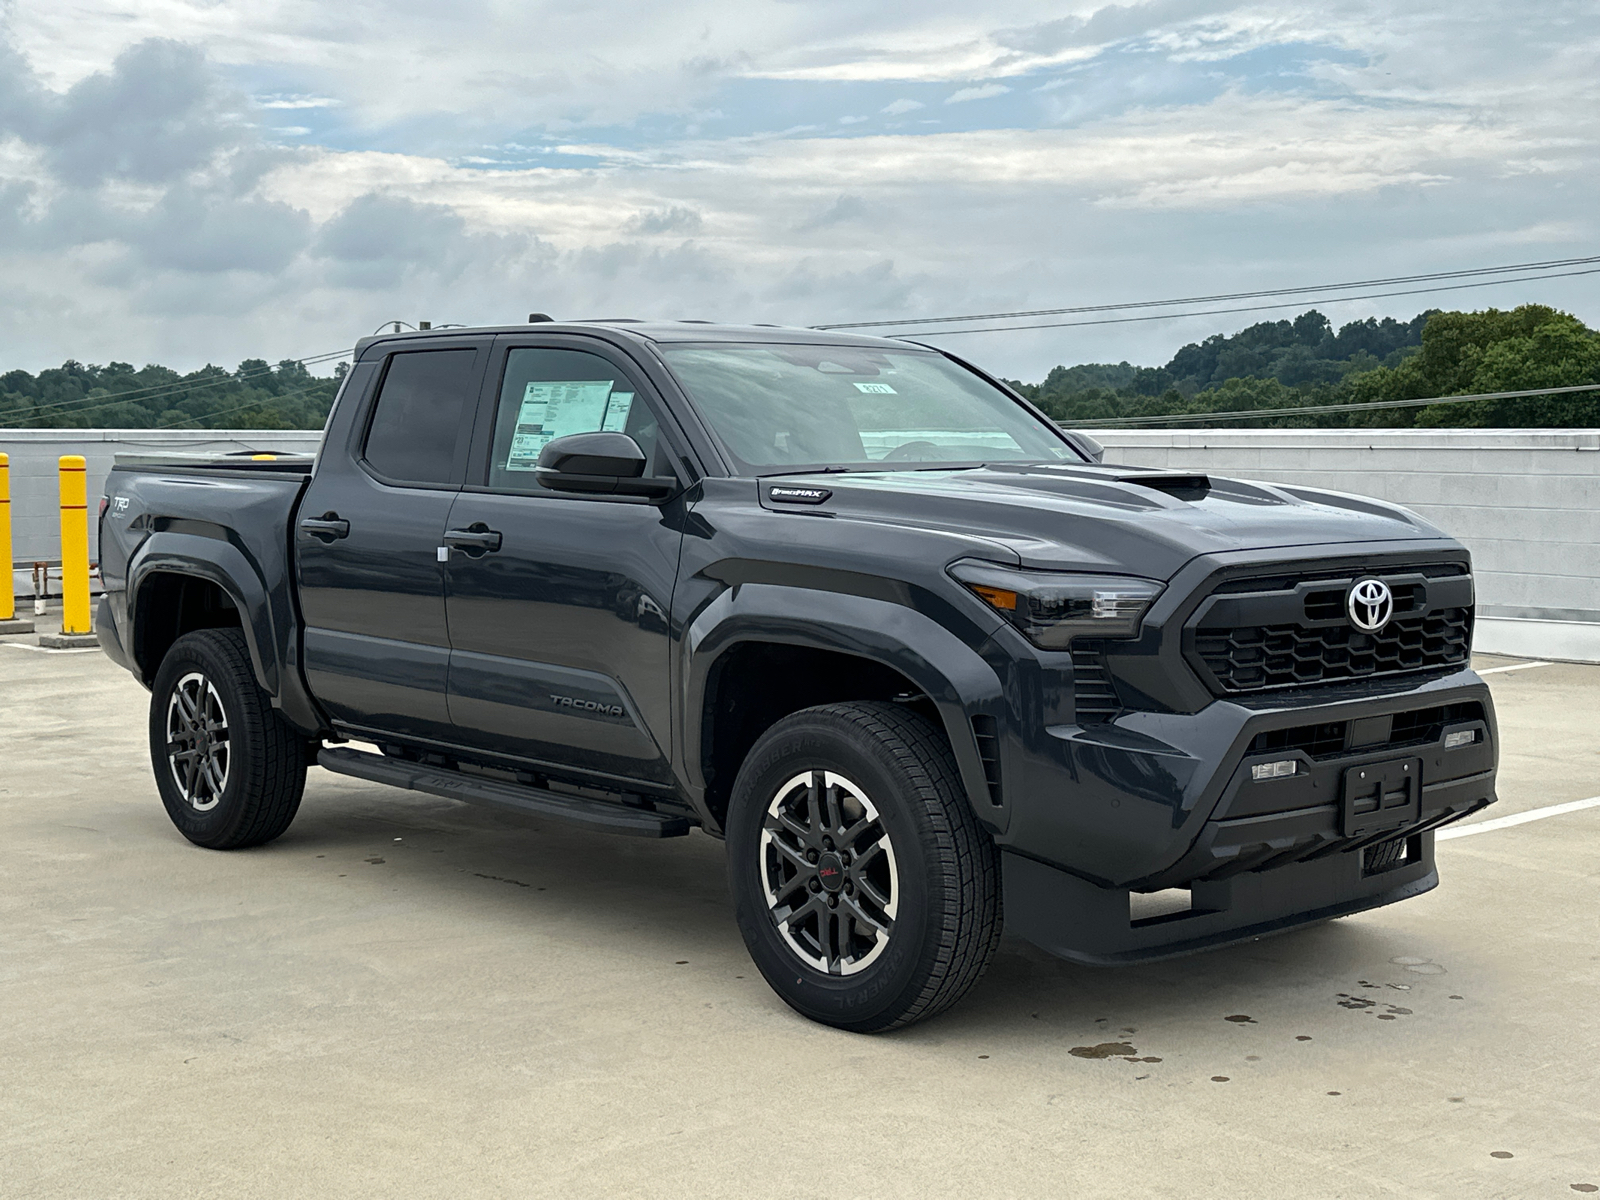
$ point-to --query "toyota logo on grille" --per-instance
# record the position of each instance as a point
(1370, 605)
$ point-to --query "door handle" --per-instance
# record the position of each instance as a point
(329, 527)
(475, 537)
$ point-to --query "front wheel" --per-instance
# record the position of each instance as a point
(866, 891)
(230, 770)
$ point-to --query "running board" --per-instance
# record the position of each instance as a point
(535, 802)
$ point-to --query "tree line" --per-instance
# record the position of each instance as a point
(1303, 362)
(1271, 365)
(116, 396)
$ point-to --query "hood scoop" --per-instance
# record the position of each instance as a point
(1179, 487)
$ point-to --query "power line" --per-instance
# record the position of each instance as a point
(1321, 287)
(1304, 410)
(1212, 312)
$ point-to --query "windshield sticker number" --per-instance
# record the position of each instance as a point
(552, 410)
(876, 389)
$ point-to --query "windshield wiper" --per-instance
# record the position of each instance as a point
(811, 471)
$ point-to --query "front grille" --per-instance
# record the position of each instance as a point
(1285, 631)
(1094, 693)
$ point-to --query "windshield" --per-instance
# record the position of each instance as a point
(777, 408)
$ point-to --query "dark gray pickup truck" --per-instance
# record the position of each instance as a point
(851, 605)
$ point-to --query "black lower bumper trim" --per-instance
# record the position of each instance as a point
(1078, 921)
(536, 802)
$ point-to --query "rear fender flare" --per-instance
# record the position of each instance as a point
(215, 561)
(949, 671)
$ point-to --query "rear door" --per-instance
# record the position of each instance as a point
(558, 619)
(368, 541)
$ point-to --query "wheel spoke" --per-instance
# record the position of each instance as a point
(793, 856)
(870, 890)
(189, 707)
(784, 822)
(865, 918)
(827, 931)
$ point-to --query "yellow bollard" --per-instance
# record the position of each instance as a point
(8, 599)
(74, 544)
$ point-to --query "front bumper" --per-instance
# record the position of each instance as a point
(1158, 800)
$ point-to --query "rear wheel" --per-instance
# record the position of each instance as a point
(866, 891)
(230, 770)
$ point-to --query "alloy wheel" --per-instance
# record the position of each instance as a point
(197, 741)
(828, 872)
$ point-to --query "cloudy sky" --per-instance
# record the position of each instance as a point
(187, 181)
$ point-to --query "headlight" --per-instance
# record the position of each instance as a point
(1051, 608)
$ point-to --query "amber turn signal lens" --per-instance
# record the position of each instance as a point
(998, 597)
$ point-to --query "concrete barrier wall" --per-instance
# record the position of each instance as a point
(1525, 501)
(35, 512)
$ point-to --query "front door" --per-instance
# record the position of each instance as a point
(367, 544)
(558, 604)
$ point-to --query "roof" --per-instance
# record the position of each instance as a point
(659, 332)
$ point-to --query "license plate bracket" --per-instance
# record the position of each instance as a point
(1379, 796)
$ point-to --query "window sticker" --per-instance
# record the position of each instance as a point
(617, 410)
(876, 389)
(552, 410)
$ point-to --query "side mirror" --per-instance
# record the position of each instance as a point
(599, 463)
(1089, 445)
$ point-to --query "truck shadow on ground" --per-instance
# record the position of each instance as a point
(668, 900)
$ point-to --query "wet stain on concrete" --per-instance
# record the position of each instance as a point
(1302, 1037)
(1219, 1079)
(1584, 1187)
(1501, 1154)
(1358, 1003)
(1335, 1093)
(1103, 1050)
(375, 861)
(503, 879)
(1240, 1019)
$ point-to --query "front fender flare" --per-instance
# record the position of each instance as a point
(949, 671)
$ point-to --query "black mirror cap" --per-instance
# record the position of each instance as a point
(610, 454)
(1089, 446)
(608, 464)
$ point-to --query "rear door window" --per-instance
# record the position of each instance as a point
(423, 411)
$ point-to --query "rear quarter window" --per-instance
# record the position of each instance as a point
(424, 407)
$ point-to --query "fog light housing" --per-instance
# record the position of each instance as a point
(1281, 769)
(1461, 737)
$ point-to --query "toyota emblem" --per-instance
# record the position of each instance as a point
(1370, 605)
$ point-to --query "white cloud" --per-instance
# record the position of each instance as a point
(143, 218)
(985, 91)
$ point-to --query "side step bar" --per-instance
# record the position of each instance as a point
(536, 802)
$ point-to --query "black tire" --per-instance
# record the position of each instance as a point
(944, 922)
(258, 759)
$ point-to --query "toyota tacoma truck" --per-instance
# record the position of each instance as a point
(851, 605)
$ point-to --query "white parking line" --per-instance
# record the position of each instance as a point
(48, 650)
(1521, 818)
(1514, 667)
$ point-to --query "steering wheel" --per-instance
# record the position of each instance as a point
(908, 451)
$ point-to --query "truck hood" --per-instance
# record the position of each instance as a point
(1119, 519)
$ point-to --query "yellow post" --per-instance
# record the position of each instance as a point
(74, 544)
(8, 600)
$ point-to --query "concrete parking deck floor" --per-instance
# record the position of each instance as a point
(407, 997)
